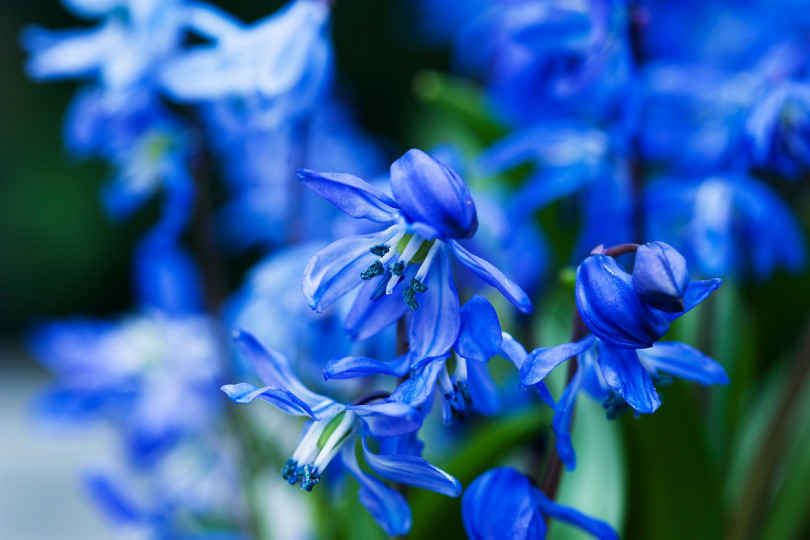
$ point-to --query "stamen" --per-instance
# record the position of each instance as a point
(288, 472)
(310, 478)
(431, 254)
(341, 434)
(392, 242)
(308, 447)
(410, 298)
(376, 269)
(417, 285)
(398, 268)
(379, 250)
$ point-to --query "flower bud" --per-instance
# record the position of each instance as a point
(660, 276)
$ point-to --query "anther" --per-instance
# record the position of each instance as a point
(410, 298)
(418, 286)
(379, 250)
(376, 269)
(398, 268)
(309, 478)
(288, 472)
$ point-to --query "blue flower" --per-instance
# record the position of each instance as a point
(405, 265)
(623, 360)
(333, 433)
(503, 503)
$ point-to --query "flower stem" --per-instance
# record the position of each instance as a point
(402, 347)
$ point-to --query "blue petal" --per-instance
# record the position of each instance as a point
(350, 367)
(625, 375)
(660, 276)
(483, 391)
(541, 362)
(515, 353)
(610, 307)
(283, 399)
(367, 316)
(493, 276)
(432, 193)
(388, 419)
(68, 53)
(683, 361)
(418, 388)
(696, 292)
(109, 496)
(434, 325)
(336, 269)
(599, 529)
(500, 504)
(479, 336)
(413, 471)
(563, 414)
(352, 195)
(273, 369)
(388, 508)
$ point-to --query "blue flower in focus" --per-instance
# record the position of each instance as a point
(151, 375)
(404, 266)
(726, 225)
(333, 433)
(503, 503)
(280, 64)
(622, 361)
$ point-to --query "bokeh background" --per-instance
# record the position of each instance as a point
(706, 458)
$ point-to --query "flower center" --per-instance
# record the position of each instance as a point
(319, 446)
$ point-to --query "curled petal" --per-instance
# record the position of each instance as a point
(283, 399)
(350, 367)
(336, 269)
(413, 471)
(432, 193)
(696, 292)
(541, 362)
(418, 389)
(479, 336)
(599, 529)
(561, 423)
(625, 375)
(683, 361)
(352, 195)
(388, 508)
(493, 276)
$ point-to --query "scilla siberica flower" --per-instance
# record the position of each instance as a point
(503, 503)
(622, 360)
(404, 266)
(333, 433)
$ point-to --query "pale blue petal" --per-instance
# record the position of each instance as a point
(417, 390)
(354, 196)
(350, 367)
(388, 419)
(368, 316)
(541, 362)
(283, 399)
(434, 325)
(413, 471)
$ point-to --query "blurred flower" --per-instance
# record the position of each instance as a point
(333, 432)
(503, 503)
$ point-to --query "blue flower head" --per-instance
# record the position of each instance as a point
(503, 503)
(405, 266)
(334, 432)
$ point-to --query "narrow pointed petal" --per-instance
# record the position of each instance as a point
(350, 367)
(432, 193)
(493, 276)
(479, 336)
(515, 353)
(388, 508)
(696, 292)
(626, 376)
(352, 195)
(413, 471)
(336, 269)
(274, 370)
(541, 362)
(685, 362)
(282, 399)
(434, 325)
(367, 317)
(417, 389)
(599, 529)
(388, 419)
(561, 423)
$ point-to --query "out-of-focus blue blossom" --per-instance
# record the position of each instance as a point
(536, 57)
(430, 210)
(152, 375)
(279, 66)
(622, 361)
(503, 503)
(725, 224)
(260, 161)
(333, 433)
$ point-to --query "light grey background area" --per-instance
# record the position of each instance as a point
(41, 494)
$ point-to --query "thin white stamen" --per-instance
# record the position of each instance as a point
(431, 254)
(407, 254)
(333, 444)
(308, 447)
(461, 368)
(445, 383)
(392, 245)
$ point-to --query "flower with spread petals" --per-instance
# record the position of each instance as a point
(333, 433)
(406, 265)
(503, 503)
(622, 361)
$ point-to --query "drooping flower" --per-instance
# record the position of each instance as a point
(623, 359)
(405, 265)
(334, 431)
(503, 503)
